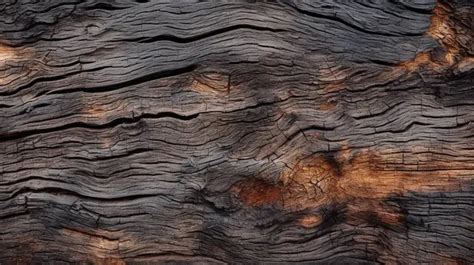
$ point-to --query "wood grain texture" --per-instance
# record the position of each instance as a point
(144, 132)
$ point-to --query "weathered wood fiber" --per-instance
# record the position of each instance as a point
(236, 132)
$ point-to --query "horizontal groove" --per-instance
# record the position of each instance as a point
(105, 158)
(22, 134)
(168, 37)
(49, 79)
(104, 6)
(342, 21)
(61, 191)
(131, 82)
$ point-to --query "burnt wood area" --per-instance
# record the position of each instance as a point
(236, 132)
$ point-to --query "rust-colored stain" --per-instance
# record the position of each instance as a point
(327, 105)
(443, 28)
(258, 192)
(365, 176)
(211, 83)
(310, 221)
(310, 181)
(362, 181)
(373, 210)
(6, 53)
(95, 111)
(99, 249)
(421, 59)
(334, 86)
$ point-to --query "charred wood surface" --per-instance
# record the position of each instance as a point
(236, 132)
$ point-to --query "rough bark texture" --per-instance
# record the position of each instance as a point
(236, 132)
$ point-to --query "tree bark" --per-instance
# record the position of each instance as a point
(317, 132)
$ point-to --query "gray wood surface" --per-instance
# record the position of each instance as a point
(258, 132)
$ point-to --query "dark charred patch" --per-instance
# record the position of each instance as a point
(334, 162)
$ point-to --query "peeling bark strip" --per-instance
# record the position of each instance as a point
(144, 132)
